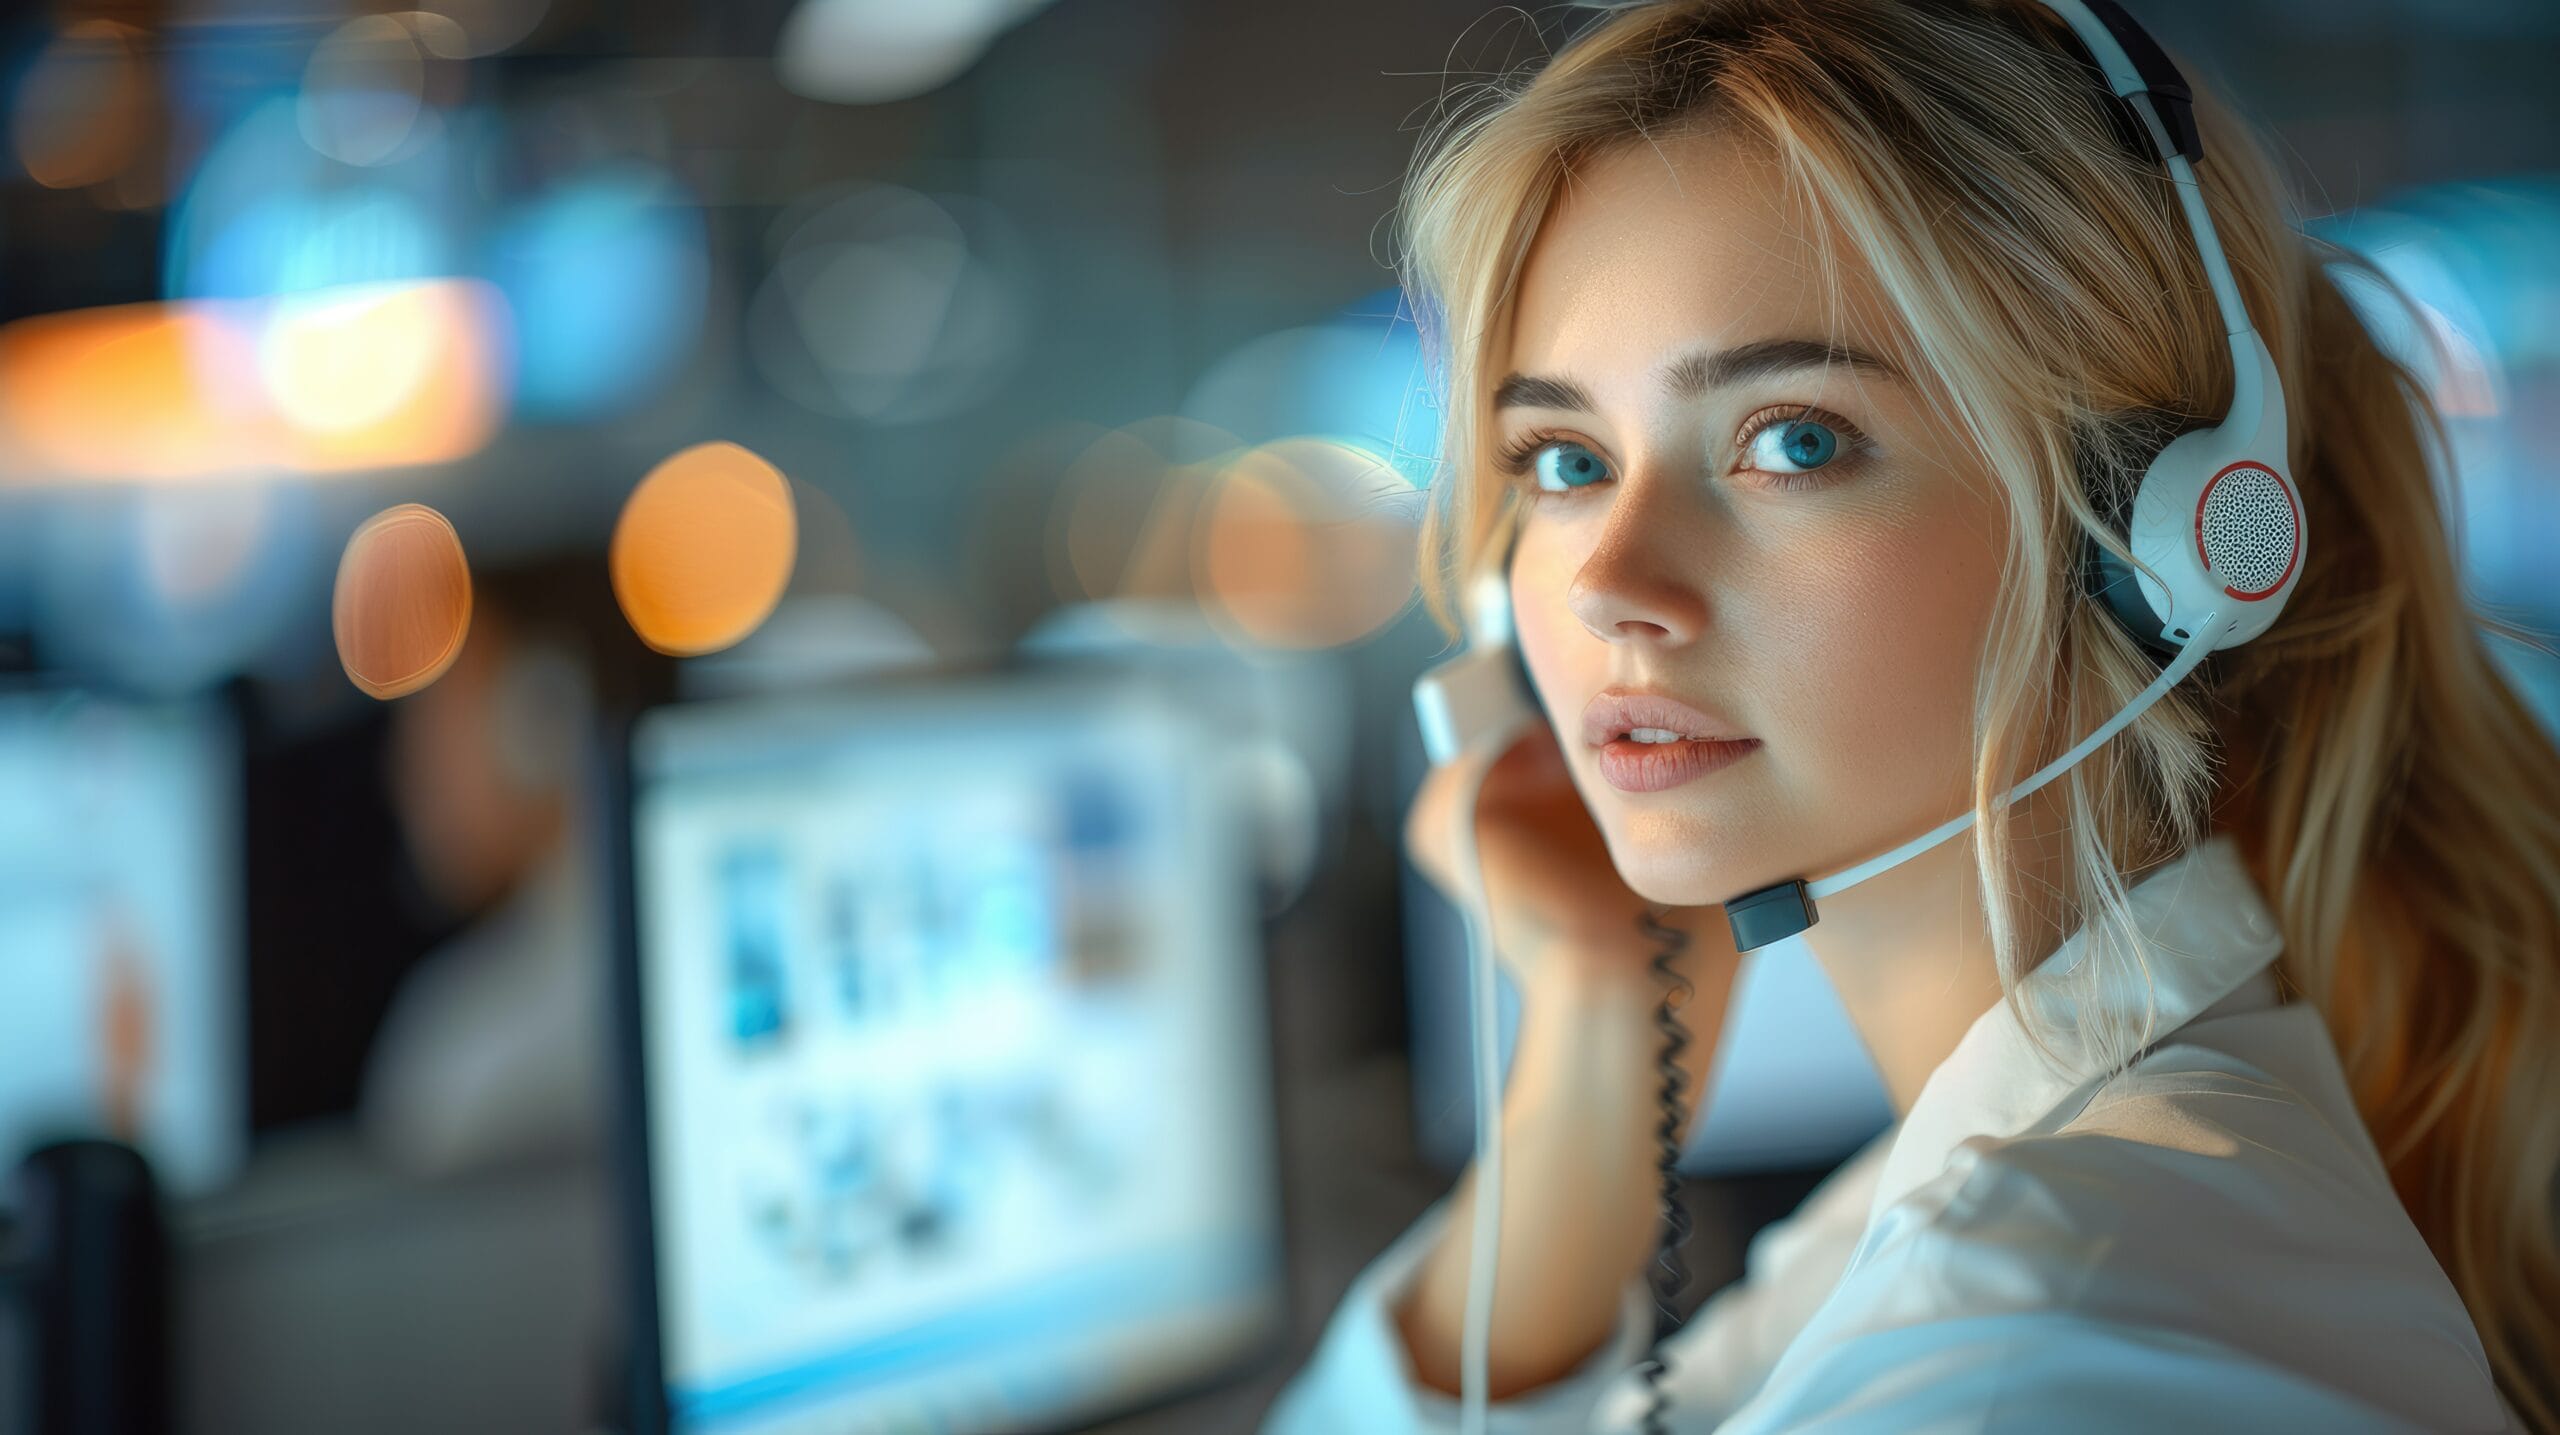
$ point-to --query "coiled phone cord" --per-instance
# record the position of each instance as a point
(1670, 1274)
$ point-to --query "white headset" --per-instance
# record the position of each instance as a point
(2216, 527)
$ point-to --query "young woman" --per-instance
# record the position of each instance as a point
(1792, 350)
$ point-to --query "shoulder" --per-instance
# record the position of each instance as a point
(2228, 1154)
(2207, 1150)
(2224, 1186)
(2207, 1241)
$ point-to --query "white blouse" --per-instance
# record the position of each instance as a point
(2205, 1241)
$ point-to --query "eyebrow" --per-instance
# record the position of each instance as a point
(1688, 375)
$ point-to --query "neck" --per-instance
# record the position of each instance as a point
(1909, 950)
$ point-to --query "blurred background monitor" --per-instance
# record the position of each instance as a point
(120, 1007)
(954, 1061)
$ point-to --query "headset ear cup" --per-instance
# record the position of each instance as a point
(2140, 437)
(2114, 585)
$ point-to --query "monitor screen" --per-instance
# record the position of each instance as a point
(955, 1067)
(120, 1010)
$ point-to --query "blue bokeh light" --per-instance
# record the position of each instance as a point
(1358, 377)
(607, 278)
(266, 215)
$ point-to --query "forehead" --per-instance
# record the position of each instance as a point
(1687, 238)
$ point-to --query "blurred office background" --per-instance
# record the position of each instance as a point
(840, 353)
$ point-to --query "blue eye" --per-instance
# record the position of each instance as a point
(1802, 443)
(1565, 464)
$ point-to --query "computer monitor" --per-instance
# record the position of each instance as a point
(945, 1013)
(120, 930)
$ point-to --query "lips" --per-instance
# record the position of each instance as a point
(1656, 766)
(1619, 711)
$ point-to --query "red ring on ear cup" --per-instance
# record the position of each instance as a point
(2294, 506)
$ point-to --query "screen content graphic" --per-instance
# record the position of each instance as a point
(120, 1008)
(958, 1089)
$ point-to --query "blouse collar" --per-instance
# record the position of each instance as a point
(2211, 939)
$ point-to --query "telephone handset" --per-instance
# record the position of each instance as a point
(1483, 694)
(1474, 706)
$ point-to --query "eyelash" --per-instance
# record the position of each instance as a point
(1515, 457)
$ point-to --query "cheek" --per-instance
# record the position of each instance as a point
(1850, 648)
(1876, 643)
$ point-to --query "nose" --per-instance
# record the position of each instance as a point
(1640, 583)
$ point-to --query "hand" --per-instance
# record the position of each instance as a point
(1559, 910)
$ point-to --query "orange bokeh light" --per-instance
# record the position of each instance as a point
(403, 601)
(704, 549)
(1110, 489)
(374, 375)
(1121, 519)
(82, 106)
(113, 392)
(1306, 543)
(357, 377)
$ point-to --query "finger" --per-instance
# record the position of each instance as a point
(1544, 750)
(1429, 836)
(1430, 831)
(1531, 762)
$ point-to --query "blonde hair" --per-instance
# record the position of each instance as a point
(2389, 791)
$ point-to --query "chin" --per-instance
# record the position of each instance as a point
(1673, 862)
(1675, 873)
